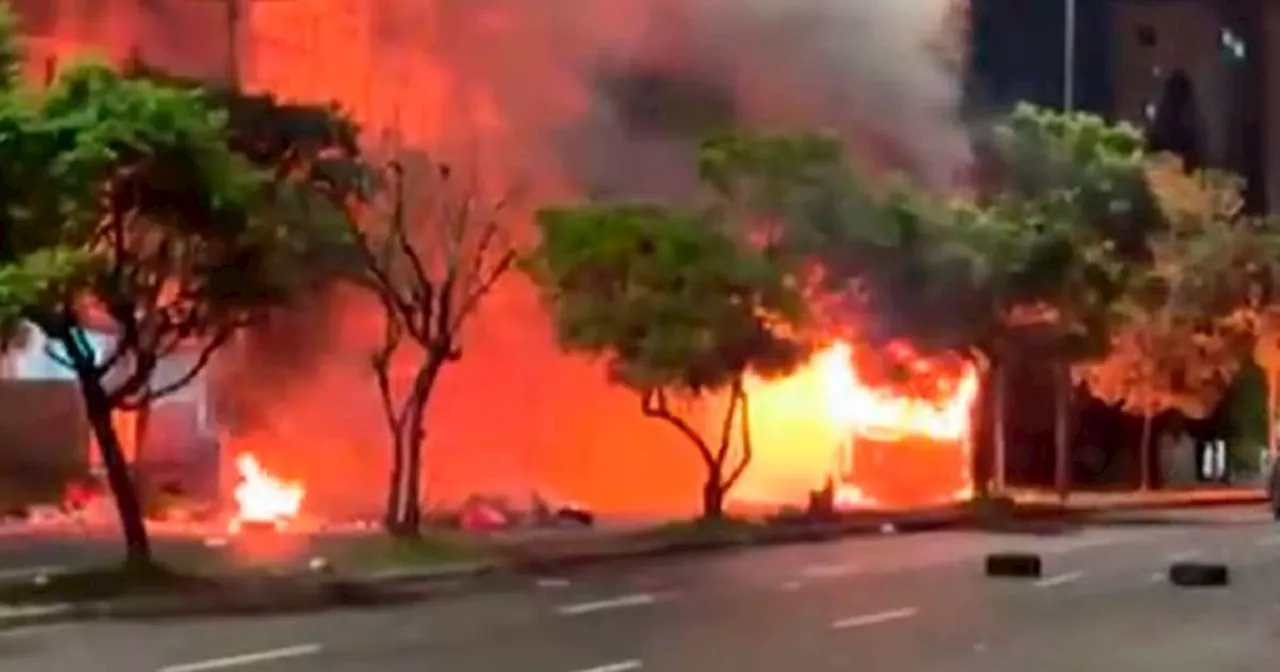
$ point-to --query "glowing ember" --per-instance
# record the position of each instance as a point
(890, 441)
(263, 499)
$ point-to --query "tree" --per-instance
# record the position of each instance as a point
(1031, 264)
(1178, 346)
(430, 253)
(680, 306)
(184, 243)
(1080, 181)
(312, 151)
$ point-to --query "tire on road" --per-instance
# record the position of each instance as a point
(1199, 574)
(1014, 565)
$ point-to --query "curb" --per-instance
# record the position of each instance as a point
(411, 575)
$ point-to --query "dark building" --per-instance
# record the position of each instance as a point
(1133, 58)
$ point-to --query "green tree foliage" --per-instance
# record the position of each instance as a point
(678, 305)
(1178, 345)
(1032, 264)
(178, 240)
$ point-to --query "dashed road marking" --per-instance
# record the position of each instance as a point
(621, 602)
(828, 571)
(1183, 556)
(1270, 540)
(553, 583)
(33, 630)
(242, 660)
(874, 619)
(1059, 580)
(620, 666)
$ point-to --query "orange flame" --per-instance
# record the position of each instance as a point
(894, 443)
(262, 498)
(883, 414)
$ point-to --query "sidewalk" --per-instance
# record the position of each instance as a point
(1132, 499)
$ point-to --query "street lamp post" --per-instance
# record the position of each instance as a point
(1069, 57)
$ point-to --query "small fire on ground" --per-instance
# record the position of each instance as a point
(264, 500)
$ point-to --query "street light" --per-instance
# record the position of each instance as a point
(1069, 57)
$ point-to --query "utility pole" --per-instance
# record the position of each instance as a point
(1069, 57)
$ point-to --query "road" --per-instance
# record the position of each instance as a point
(892, 603)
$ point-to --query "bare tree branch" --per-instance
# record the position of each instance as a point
(744, 424)
(653, 404)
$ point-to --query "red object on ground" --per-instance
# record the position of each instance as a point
(478, 516)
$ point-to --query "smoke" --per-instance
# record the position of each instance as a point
(874, 72)
(612, 92)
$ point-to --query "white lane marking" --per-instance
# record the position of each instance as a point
(1059, 580)
(1157, 577)
(241, 660)
(790, 586)
(1183, 556)
(553, 583)
(30, 572)
(874, 619)
(620, 666)
(1272, 540)
(33, 630)
(622, 602)
(828, 571)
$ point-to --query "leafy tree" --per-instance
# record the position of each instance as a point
(1032, 264)
(430, 253)
(1177, 346)
(311, 150)
(183, 242)
(680, 306)
(1081, 181)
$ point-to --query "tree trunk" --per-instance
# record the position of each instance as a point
(414, 415)
(713, 497)
(412, 522)
(1061, 432)
(97, 408)
(999, 389)
(1145, 453)
(394, 514)
(1271, 413)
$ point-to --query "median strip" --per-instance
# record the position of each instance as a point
(242, 660)
(623, 602)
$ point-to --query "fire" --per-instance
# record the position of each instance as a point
(263, 499)
(901, 440)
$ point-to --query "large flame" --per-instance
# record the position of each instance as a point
(263, 499)
(898, 442)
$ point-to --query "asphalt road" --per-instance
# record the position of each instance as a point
(895, 603)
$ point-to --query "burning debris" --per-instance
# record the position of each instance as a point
(262, 500)
(881, 440)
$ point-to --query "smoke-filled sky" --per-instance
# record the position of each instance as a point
(556, 96)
